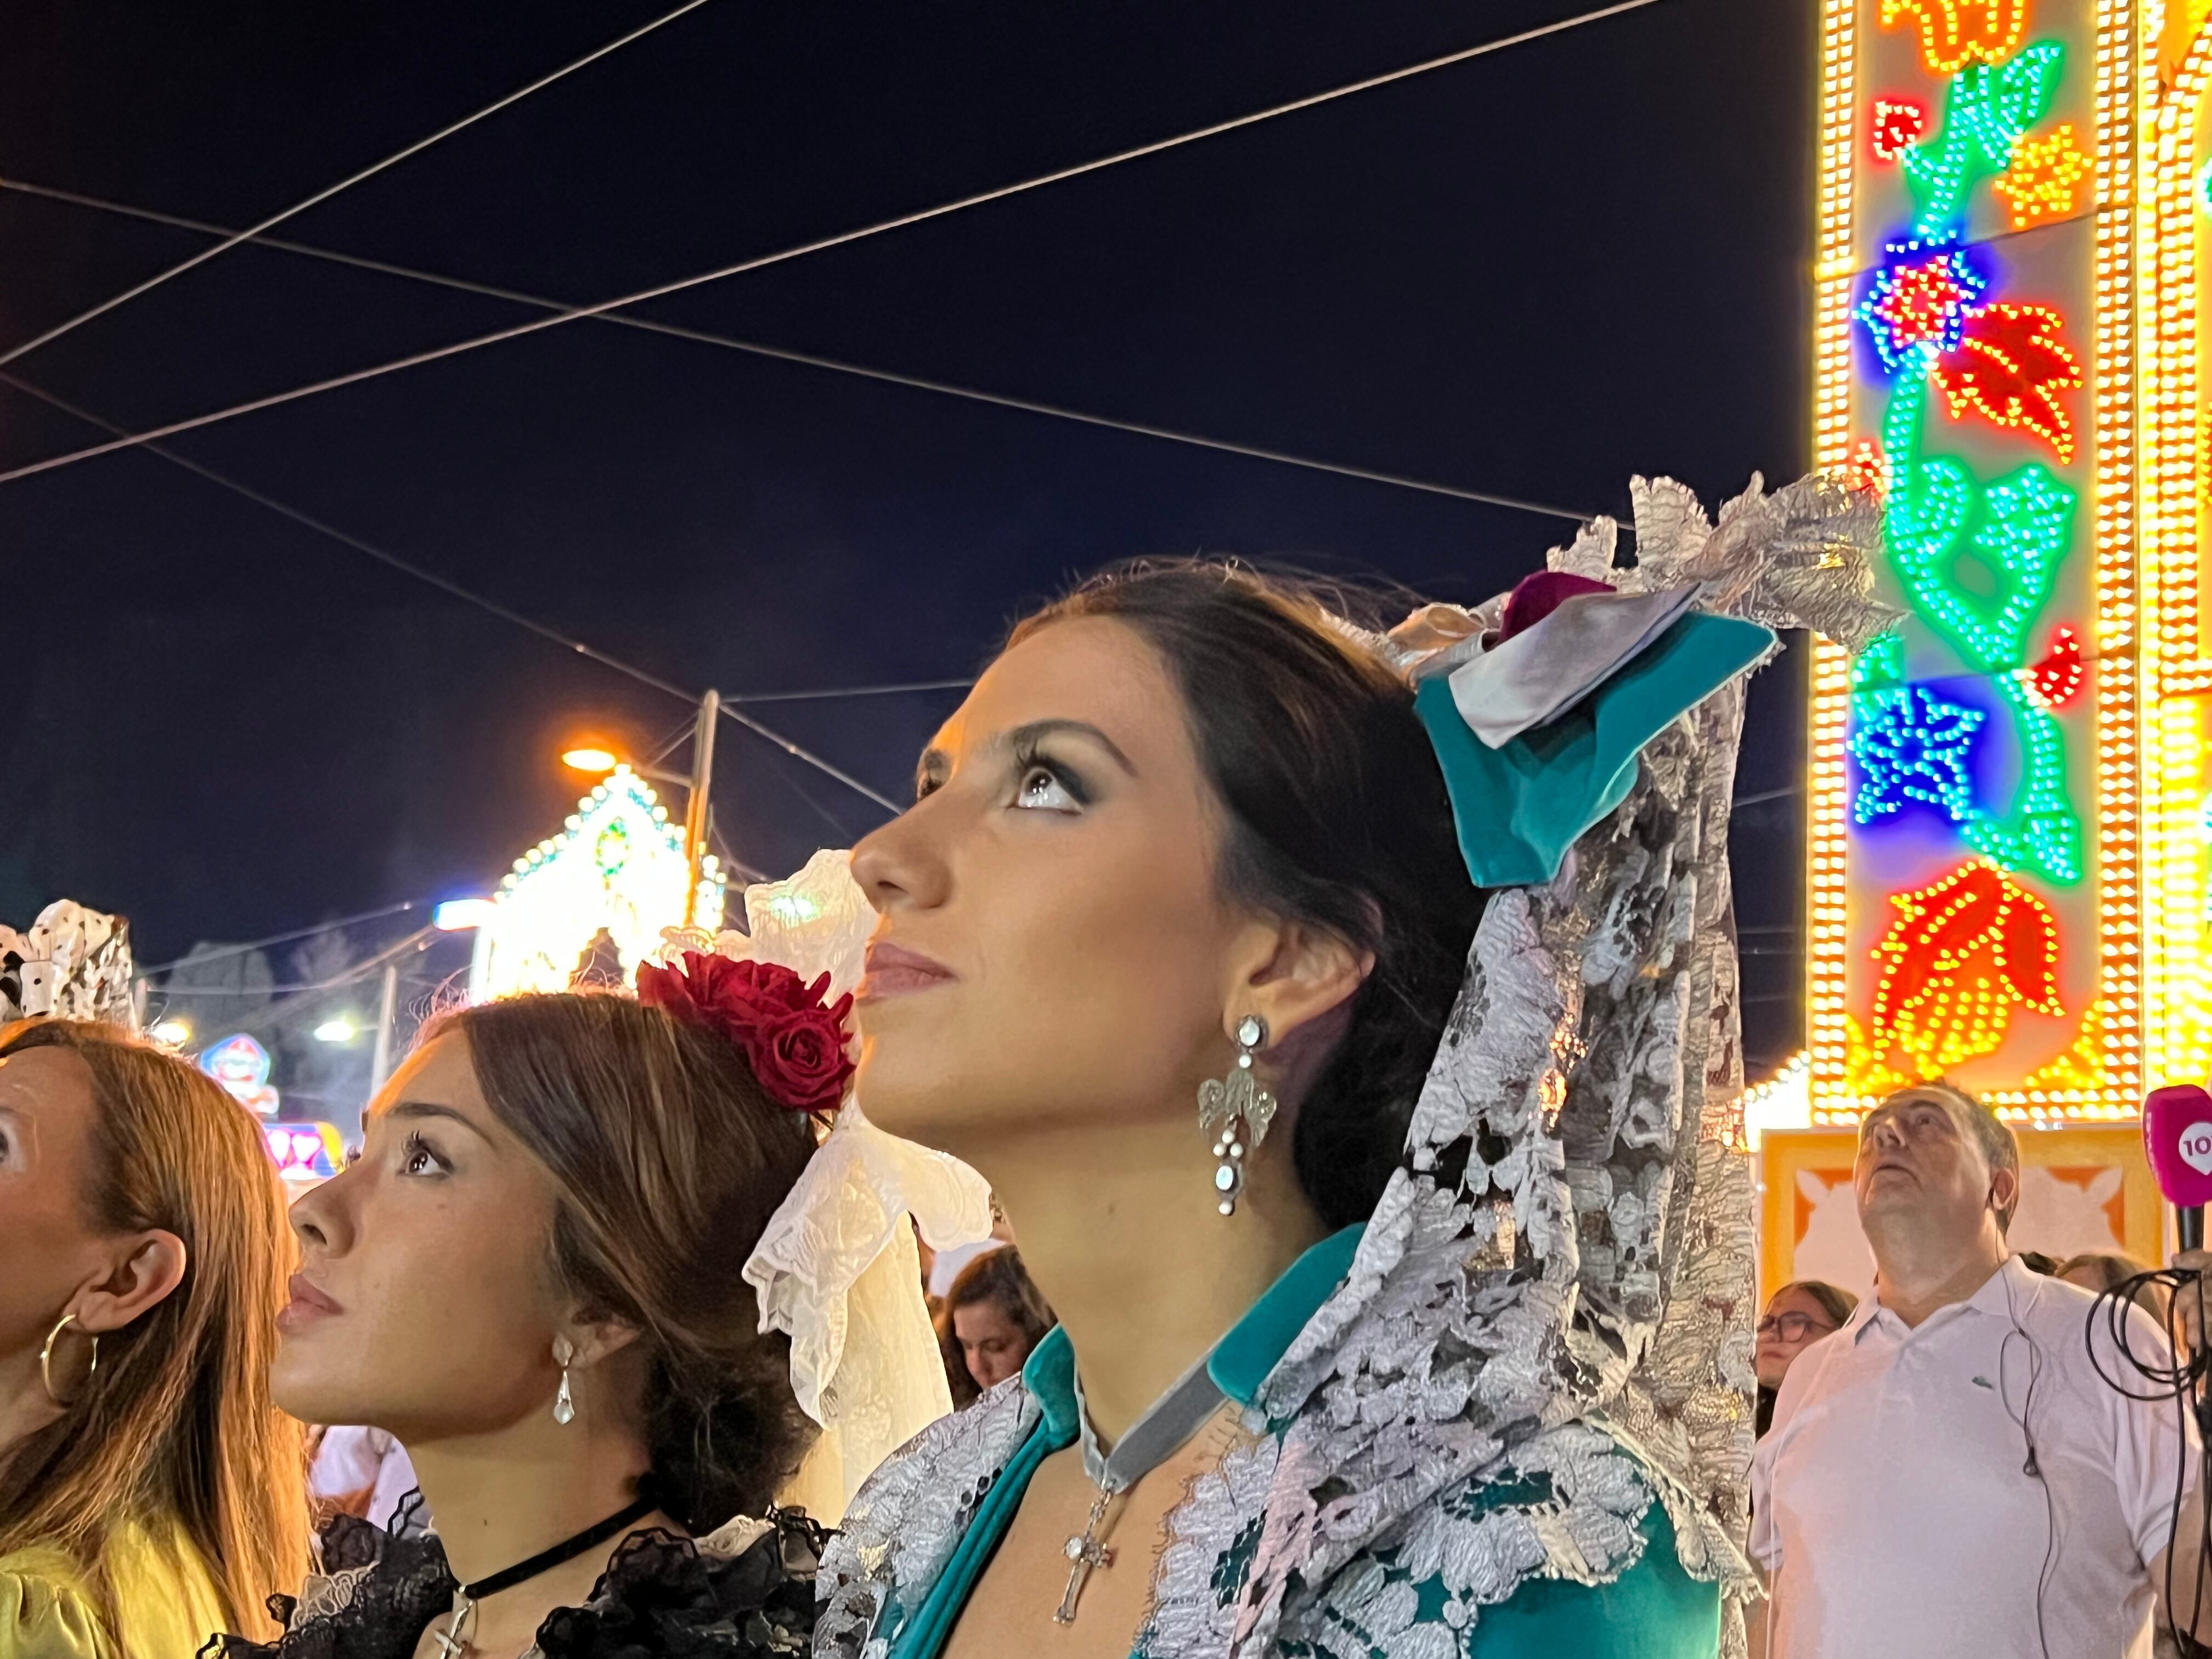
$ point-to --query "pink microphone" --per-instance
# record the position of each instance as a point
(2177, 1139)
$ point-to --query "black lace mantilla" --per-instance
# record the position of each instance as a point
(659, 1598)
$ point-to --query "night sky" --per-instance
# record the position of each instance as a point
(1534, 274)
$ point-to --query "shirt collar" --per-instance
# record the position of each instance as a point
(2012, 1284)
(1243, 1358)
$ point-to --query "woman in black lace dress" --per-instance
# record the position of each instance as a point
(530, 1278)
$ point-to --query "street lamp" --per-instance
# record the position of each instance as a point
(171, 1033)
(459, 916)
(340, 1030)
(590, 757)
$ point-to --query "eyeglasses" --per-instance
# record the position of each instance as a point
(1794, 1326)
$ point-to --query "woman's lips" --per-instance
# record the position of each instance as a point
(895, 971)
(308, 1305)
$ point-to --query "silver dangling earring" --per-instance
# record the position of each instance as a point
(1242, 1109)
(564, 1403)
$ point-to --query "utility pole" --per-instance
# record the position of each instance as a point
(380, 1065)
(696, 810)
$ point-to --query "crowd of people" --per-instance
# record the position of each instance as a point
(1282, 1376)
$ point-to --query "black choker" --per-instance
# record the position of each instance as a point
(569, 1548)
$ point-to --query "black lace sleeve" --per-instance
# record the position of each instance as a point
(376, 1592)
(660, 1598)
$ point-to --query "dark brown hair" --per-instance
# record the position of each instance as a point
(997, 1277)
(177, 1426)
(669, 1158)
(1337, 816)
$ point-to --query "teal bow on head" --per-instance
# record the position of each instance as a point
(1519, 807)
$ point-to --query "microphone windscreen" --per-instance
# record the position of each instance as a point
(2177, 1139)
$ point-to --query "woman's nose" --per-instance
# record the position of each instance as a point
(901, 866)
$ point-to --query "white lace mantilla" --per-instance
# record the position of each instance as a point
(71, 963)
(836, 1267)
(1558, 1280)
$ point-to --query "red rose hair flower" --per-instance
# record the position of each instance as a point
(793, 1038)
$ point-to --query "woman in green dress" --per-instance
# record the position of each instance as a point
(1380, 1173)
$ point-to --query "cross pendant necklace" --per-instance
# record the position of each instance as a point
(1168, 1422)
(1084, 1551)
(453, 1640)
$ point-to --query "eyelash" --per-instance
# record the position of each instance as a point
(1029, 760)
(414, 1147)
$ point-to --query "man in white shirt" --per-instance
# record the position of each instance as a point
(1948, 1475)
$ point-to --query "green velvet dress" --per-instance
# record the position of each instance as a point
(1429, 1593)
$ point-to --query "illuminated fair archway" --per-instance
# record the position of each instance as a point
(618, 866)
(2007, 879)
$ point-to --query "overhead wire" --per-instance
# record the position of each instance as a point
(814, 360)
(324, 195)
(506, 613)
(536, 325)
(281, 939)
(897, 688)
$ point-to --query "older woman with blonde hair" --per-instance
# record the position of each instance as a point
(150, 1491)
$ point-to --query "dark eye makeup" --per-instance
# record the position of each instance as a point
(1032, 762)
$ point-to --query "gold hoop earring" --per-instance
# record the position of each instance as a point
(1242, 1109)
(47, 1359)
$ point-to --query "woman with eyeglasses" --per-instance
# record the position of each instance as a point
(1797, 1315)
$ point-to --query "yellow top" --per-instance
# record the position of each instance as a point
(166, 1604)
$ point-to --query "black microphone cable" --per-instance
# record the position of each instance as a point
(2164, 1373)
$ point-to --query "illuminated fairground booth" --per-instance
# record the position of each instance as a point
(2009, 798)
(618, 868)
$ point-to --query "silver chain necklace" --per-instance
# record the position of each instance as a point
(1167, 1423)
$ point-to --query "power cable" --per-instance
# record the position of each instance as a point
(669, 744)
(844, 833)
(328, 191)
(455, 590)
(813, 360)
(261, 1018)
(900, 689)
(1765, 795)
(278, 939)
(812, 760)
(436, 354)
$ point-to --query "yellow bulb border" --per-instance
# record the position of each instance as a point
(2153, 1008)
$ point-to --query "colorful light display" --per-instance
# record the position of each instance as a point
(241, 1065)
(1956, 32)
(1898, 124)
(2044, 181)
(2008, 873)
(618, 866)
(306, 1154)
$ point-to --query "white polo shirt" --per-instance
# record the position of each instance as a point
(1892, 1509)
